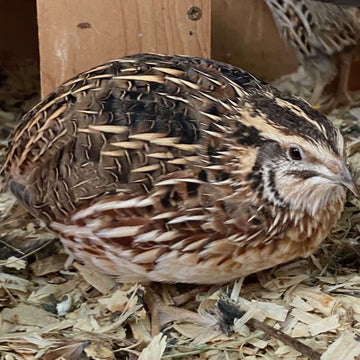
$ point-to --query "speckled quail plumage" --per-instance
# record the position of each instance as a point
(323, 34)
(178, 169)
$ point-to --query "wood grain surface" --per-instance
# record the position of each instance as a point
(76, 35)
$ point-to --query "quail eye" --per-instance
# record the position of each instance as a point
(295, 153)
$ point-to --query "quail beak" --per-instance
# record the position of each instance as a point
(347, 181)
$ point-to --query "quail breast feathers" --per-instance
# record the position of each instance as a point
(178, 169)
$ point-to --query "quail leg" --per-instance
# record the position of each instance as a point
(342, 96)
(188, 295)
(317, 92)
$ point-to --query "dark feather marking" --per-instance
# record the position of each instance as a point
(176, 196)
(165, 200)
(303, 174)
(203, 176)
(115, 106)
(115, 68)
(255, 179)
(192, 189)
(240, 77)
(274, 187)
(213, 110)
(223, 176)
(94, 154)
(248, 135)
(186, 127)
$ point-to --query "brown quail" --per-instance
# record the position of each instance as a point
(178, 169)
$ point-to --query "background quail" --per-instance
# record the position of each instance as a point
(325, 37)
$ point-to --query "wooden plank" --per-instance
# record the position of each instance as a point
(75, 35)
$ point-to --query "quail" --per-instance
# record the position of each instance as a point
(178, 169)
(325, 37)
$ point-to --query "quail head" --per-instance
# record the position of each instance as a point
(178, 169)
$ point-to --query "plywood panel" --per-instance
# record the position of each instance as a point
(77, 34)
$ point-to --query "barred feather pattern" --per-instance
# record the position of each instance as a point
(172, 168)
(139, 240)
(315, 28)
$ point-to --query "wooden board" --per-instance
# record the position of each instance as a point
(75, 35)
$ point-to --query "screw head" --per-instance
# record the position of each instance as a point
(194, 13)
